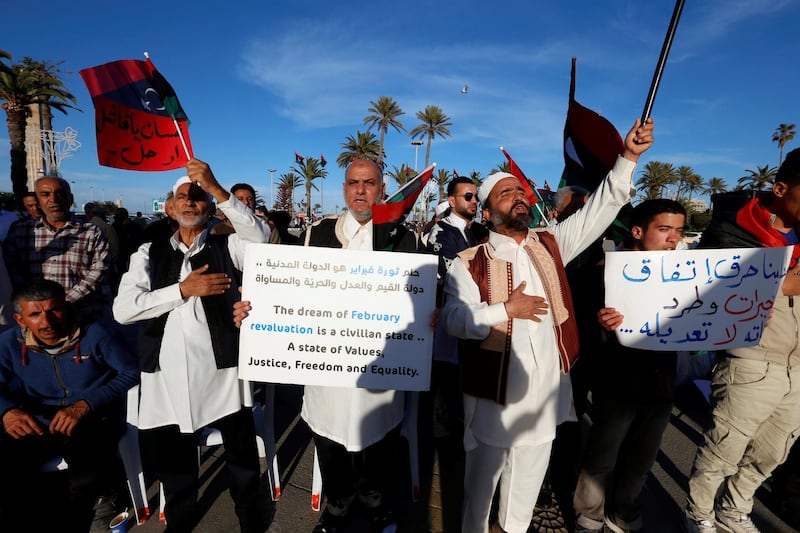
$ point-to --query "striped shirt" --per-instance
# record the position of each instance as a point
(75, 255)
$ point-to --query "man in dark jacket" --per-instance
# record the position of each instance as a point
(755, 389)
(62, 391)
(631, 398)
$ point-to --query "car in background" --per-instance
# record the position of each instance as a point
(692, 238)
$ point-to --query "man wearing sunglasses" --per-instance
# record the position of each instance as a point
(442, 407)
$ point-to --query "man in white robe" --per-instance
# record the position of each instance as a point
(182, 289)
(518, 312)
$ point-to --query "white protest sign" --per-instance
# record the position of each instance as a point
(341, 318)
(694, 299)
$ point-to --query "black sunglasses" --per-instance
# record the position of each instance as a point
(468, 196)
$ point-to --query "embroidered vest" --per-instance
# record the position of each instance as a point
(484, 363)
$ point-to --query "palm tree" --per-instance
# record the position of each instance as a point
(655, 178)
(441, 178)
(22, 85)
(309, 170)
(362, 146)
(434, 122)
(476, 177)
(758, 179)
(504, 166)
(694, 182)
(716, 186)
(782, 135)
(683, 174)
(384, 114)
(401, 174)
(290, 181)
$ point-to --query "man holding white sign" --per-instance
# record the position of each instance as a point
(355, 423)
(755, 389)
(631, 398)
(508, 300)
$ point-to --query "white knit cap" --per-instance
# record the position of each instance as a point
(180, 181)
(185, 179)
(489, 183)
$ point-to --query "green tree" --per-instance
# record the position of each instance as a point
(683, 174)
(434, 122)
(694, 182)
(22, 85)
(289, 181)
(783, 134)
(476, 177)
(383, 114)
(716, 186)
(309, 170)
(401, 174)
(441, 178)
(758, 179)
(656, 177)
(503, 166)
(362, 146)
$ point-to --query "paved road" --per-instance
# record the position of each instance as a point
(663, 499)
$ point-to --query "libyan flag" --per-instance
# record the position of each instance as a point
(387, 216)
(139, 122)
(591, 144)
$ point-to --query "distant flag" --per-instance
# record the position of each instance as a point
(514, 169)
(408, 171)
(386, 217)
(139, 122)
(322, 160)
(455, 173)
(298, 158)
(591, 144)
(547, 186)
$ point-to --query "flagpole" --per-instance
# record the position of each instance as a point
(662, 60)
(177, 126)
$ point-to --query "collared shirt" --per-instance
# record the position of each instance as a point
(538, 395)
(75, 255)
(353, 417)
(188, 390)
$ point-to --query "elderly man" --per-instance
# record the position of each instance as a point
(182, 289)
(354, 429)
(509, 301)
(61, 248)
(62, 392)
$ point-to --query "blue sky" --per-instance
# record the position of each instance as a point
(261, 80)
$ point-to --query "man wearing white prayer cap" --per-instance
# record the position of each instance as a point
(509, 302)
(181, 288)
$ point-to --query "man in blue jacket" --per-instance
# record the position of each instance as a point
(62, 392)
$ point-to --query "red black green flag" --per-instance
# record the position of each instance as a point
(298, 158)
(387, 216)
(591, 144)
(139, 122)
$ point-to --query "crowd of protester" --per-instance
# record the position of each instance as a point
(524, 348)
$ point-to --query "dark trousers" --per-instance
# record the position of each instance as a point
(624, 440)
(440, 431)
(94, 468)
(368, 473)
(172, 458)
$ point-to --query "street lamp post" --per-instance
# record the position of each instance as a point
(417, 143)
(271, 178)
